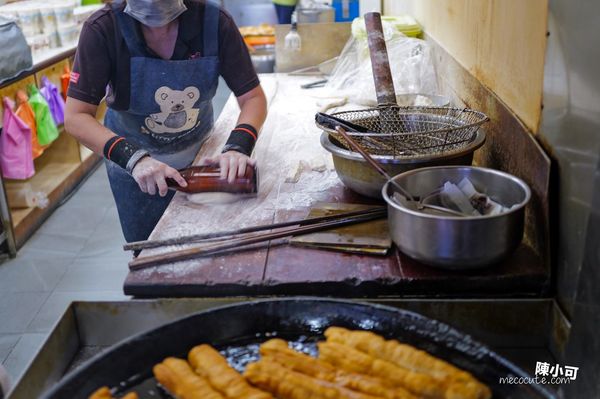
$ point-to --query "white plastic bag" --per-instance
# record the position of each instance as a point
(411, 63)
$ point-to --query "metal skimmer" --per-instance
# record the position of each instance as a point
(408, 132)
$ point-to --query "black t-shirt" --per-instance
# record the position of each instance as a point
(102, 58)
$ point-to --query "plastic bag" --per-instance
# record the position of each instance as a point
(411, 63)
(54, 100)
(16, 160)
(25, 112)
(16, 54)
(64, 81)
(359, 29)
(22, 195)
(47, 131)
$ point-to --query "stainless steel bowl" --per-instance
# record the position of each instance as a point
(454, 242)
(263, 58)
(359, 176)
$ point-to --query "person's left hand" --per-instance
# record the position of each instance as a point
(232, 164)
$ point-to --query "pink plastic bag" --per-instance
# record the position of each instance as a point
(54, 100)
(16, 158)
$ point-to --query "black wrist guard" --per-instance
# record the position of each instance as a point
(123, 153)
(242, 139)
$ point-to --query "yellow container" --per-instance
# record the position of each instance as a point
(406, 24)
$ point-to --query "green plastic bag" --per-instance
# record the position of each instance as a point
(47, 131)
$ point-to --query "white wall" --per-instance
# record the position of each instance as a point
(395, 7)
(501, 42)
(370, 6)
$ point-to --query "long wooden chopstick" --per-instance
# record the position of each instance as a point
(207, 237)
(196, 252)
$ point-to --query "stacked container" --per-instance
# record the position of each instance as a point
(45, 25)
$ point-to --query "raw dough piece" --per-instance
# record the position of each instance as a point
(214, 198)
(295, 172)
(318, 164)
(328, 103)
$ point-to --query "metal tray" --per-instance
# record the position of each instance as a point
(128, 364)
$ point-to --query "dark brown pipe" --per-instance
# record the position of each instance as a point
(384, 84)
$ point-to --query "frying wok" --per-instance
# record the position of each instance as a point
(238, 328)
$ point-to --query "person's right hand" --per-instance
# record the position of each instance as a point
(151, 174)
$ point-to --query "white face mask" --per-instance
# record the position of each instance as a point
(155, 13)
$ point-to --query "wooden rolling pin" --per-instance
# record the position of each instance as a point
(207, 179)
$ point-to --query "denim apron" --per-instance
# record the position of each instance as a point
(170, 114)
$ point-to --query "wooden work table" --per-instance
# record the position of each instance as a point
(277, 268)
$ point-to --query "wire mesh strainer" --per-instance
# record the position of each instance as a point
(407, 131)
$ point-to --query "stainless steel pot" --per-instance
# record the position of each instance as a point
(360, 177)
(454, 242)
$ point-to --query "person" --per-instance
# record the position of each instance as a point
(285, 9)
(161, 60)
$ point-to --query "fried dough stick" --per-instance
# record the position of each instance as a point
(393, 351)
(287, 384)
(178, 378)
(463, 384)
(279, 351)
(104, 393)
(355, 361)
(209, 363)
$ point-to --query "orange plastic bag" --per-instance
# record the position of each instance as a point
(25, 112)
(64, 81)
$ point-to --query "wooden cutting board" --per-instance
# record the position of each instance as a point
(371, 238)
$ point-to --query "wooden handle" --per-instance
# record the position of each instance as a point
(382, 74)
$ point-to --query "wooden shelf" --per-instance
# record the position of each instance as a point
(59, 169)
(47, 180)
(53, 54)
(18, 215)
